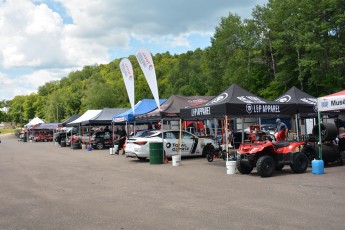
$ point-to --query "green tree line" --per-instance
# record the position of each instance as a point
(286, 43)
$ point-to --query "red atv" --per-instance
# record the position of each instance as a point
(267, 157)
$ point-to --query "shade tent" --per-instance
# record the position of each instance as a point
(332, 102)
(306, 104)
(34, 121)
(88, 115)
(142, 107)
(104, 117)
(171, 108)
(72, 118)
(45, 126)
(236, 101)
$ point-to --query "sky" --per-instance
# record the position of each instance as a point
(45, 40)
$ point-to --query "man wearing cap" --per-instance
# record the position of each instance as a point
(280, 125)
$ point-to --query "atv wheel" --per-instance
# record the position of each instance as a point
(300, 163)
(242, 168)
(209, 157)
(265, 166)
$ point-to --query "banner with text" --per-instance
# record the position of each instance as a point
(146, 63)
(128, 77)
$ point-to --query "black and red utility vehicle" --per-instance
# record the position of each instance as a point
(267, 156)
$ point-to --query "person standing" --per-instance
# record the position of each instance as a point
(122, 140)
(279, 127)
(281, 136)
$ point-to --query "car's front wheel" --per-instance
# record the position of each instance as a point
(142, 158)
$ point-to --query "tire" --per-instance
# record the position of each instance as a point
(142, 158)
(75, 145)
(208, 149)
(265, 166)
(300, 163)
(99, 145)
(310, 152)
(329, 131)
(242, 168)
(223, 154)
(209, 157)
(63, 143)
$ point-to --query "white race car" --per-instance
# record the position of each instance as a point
(191, 145)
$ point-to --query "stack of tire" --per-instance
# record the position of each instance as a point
(330, 151)
(76, 145)
(63, 143)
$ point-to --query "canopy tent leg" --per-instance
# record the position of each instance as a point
(242, 129)
(297, 127)
(319, 142)
(179, 140)
(226, 137)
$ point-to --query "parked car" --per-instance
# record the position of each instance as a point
(101, 140)
(191, 145)
(61, 136)
(43, 136)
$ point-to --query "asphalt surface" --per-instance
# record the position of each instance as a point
(43, 186)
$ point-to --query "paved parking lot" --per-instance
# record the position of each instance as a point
(43, 186)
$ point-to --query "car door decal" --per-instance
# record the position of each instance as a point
(195, 145)
(168, 145)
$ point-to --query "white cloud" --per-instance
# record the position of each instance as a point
(28, 83)
(34, 36)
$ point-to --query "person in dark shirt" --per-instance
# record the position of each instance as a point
(122, 140)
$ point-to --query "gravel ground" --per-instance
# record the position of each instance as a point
(44, 186)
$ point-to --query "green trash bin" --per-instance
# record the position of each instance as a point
(24, 139)
(156, 152)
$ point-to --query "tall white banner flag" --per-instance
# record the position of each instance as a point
(128, 77)
(146, 63)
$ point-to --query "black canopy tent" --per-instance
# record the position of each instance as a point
(306, 104)
(72, 118)
(236, 101)
(105, 117)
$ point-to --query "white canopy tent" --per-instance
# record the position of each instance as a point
(332, 102)
(335, 101)
(34, 121)
(88, 115)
